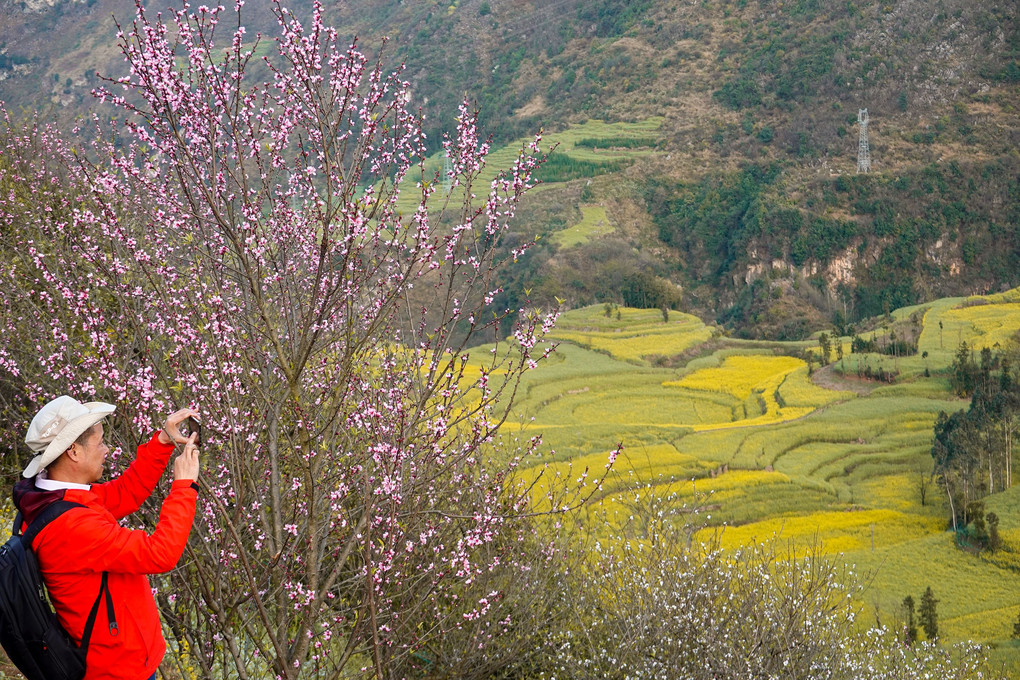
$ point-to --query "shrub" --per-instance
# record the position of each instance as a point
(652, 603)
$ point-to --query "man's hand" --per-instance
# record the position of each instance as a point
(186, 465)
(171, 433)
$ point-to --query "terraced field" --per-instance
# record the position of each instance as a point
(594, 223)
(740, 431)
(594, 143)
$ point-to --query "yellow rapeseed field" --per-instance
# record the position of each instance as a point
(740, 374)
(836, 531)
(639, 466)
(991, 324)
(798, 390)
(772, 389)
(679, 334)
(741, 441)
(594, 224)
(1011, 295)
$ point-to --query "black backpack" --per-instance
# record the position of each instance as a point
(29, 631)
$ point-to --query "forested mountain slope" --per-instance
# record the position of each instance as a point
(748, 208)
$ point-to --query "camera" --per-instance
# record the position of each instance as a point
(192, 426)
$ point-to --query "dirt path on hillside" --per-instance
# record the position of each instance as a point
(828, 378)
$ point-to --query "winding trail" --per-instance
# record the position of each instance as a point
(828, 378)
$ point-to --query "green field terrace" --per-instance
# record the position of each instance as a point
(766, 447)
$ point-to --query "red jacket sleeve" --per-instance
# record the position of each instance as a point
(102, 545)
(126, 493)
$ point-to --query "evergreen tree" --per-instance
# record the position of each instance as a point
(994, 540)
(964, 371)
(928, 615)
(910, 628)
(976, 514)
(825, 345)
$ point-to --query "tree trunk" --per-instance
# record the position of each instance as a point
(952, 508)
(1007, 432)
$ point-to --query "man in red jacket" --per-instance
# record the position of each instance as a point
(77, 548)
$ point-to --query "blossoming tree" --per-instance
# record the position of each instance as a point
(243, 245)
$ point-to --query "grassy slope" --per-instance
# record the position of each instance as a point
(846, 470)
(563, 143)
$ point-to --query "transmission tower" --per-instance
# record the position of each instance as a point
(447, 175)
(863, 155)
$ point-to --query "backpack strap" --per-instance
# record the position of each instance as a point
(114, 629)
(52, 511)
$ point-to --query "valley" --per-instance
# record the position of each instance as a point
(770, 330)
(758, 451)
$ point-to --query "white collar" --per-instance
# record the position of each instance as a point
(46, 484)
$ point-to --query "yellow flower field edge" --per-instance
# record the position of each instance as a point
(629, 334)
(739, 375)
(774, 389)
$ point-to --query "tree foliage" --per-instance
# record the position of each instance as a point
(910, 625)
(729, 221)
(712, 221)
(928, 616)
(973, 449)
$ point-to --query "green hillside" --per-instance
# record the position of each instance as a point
(753, 206)
(719, 140)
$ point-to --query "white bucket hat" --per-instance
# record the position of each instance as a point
(57, 425)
